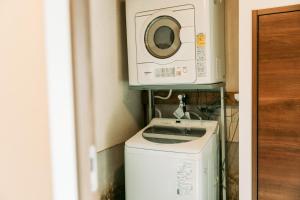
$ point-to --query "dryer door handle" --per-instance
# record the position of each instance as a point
(187, 34)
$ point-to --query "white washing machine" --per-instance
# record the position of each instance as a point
(175, 41)
(173, 161)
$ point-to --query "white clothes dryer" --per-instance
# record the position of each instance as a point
(175, 42)
(168, 160)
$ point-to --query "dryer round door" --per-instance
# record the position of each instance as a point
(162, 37)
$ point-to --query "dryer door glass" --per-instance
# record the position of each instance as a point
(162, 37)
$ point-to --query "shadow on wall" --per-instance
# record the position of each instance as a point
(116, 191)
(124, 61)
(111, 174)
(122, 41)
(131, 100)
(117, 109)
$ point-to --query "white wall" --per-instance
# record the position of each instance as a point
(245, 63)
(25, 168)
(118, 111)
(61, 99)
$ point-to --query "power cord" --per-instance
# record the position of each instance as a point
(164, 98)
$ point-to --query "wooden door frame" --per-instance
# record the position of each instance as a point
(255, 17)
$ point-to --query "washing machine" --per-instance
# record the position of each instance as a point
(173, 160)
(175, 41)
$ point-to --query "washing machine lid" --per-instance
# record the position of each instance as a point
(172, 135)
(188, 136)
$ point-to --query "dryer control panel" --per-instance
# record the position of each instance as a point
(176, 72)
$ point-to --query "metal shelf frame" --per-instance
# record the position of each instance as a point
(189, 87)
(204, 87)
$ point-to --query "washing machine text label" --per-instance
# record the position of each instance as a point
(201, 55)
(184, 179)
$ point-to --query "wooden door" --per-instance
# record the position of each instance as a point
(277, 103)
